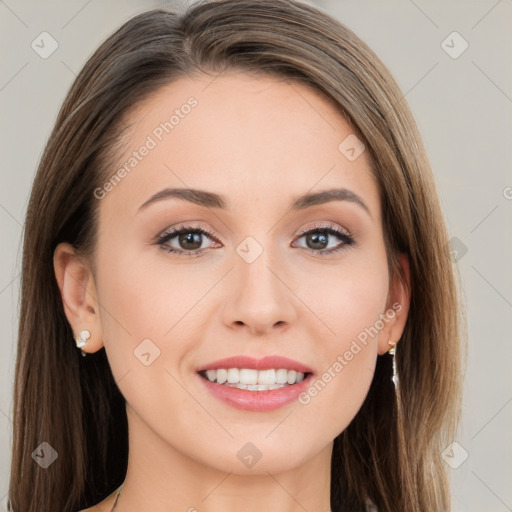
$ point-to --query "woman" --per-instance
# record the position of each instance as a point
(235, 221)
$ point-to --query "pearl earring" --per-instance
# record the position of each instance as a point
(82, 339)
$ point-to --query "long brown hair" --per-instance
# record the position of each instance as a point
(391, 451)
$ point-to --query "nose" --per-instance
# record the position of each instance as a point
(260, 301)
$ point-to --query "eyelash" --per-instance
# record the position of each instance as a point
(347, 239)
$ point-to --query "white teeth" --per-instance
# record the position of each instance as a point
(282, 376)
(277, 386)
(292, 377)
(222, 376)
(254, 380)
(248, 376)
(256, 387)
(233, 375)
(267, 377)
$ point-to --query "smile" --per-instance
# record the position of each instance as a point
(253, 380)
(255, 384)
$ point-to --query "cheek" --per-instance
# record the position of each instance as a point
(132, 319)
(146, 297)
(346, 297)
(348, 302)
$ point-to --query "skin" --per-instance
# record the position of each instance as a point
(259, 142)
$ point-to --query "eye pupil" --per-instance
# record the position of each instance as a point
(316, 238)
(192, 238)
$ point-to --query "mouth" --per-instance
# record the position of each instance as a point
(251, 379)
(255, 384)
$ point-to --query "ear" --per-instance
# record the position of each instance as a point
(397, 306)
(78, 294)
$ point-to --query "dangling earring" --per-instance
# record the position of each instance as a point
(392, 351)
(81, 340)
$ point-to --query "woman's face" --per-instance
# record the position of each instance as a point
(255, 285)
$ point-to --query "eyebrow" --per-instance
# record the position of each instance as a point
(212, 200)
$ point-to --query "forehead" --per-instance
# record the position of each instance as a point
(261, 138)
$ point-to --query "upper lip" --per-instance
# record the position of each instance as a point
(263, 363)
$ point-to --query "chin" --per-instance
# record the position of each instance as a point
(256, 455)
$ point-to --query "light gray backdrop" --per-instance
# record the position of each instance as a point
(452, 61)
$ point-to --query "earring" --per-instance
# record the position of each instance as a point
(82, 339)
(392, 351)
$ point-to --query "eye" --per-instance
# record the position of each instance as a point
(188, 238)
(317, 239)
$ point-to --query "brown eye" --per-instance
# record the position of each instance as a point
(317, 239)
(188, 239)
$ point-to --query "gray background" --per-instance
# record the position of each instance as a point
(463, 106)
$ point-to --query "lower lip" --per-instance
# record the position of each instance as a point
(260, 401)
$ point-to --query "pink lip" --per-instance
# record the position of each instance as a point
(264, 363)
(257, 400)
